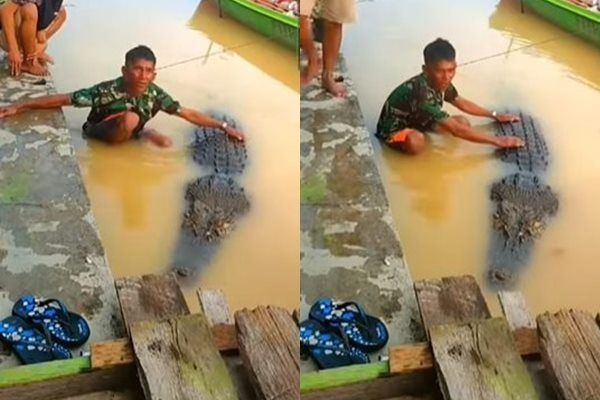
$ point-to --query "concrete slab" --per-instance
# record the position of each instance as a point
(49, 242)
(349, 245)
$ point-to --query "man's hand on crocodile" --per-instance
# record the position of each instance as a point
(506, 118)
(509, 142)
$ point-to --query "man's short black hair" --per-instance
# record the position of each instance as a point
(439, 50)
(140, 52)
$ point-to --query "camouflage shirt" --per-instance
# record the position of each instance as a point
(414, 104)
(108, 98)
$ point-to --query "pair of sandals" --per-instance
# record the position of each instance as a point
(42, 330)
(340, 334)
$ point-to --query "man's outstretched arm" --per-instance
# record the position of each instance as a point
(45, 102)
(461, 130)
(474, 109)
(202, 120)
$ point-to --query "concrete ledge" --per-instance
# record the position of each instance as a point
(349, 245)
(49, 242)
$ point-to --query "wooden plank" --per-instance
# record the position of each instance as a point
(109, 354)
(450, 300)
(120, 351)
(74, 385)
(177, 360)
(409, 358)
(270, 350)
(515, 310)
(418, 356)
(150, 297)
(214, 305)
(478, 361)
(375, 389)
(570, 349)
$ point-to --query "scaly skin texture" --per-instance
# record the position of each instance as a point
(215, 203)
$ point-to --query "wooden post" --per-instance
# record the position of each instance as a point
(450, 300)
(478, 361)
(270, 351)
(570, 348)
(177, 360)
(150, 297)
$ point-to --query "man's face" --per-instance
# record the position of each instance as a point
(139, 74)
(440, 74)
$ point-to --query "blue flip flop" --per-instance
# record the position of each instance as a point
(29, 344)
(327, 349)
(363, 331)
(65, 327)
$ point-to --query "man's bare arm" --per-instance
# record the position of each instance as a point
(199, 119)
(474, 109)
(45, 102)
(463, 131)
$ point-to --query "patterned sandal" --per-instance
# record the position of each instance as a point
(327, 349)
(363, 331)
(30, 345)
(65, 327)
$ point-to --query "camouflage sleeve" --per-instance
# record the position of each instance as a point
(166, 103)
(451, 94)
(84, 97)
(433, 110)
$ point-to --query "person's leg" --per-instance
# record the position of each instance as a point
(335, 13)
(48, 25)
(459, 118)
(29, 16)
(56, 23)
(308, 46)
(157, 138)
(307, 43)
(408, 141)
(117, 128)
(332, 41)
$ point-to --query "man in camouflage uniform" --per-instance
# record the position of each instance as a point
(120, 108)
(415, 107)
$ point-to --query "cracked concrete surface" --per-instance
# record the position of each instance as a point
(349, 245)
(49, 243)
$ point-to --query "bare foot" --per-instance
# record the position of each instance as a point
(158, 139)
(311, 70)
(335, 88)
(34, 68)
(44, 59)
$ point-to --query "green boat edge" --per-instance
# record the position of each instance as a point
(577, 20)
(282, 28)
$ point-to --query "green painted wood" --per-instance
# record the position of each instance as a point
(282, 28)
(26, 374)
(335, 377)
(575, 19)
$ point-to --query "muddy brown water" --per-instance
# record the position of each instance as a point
(137, 190)
(440, 200)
